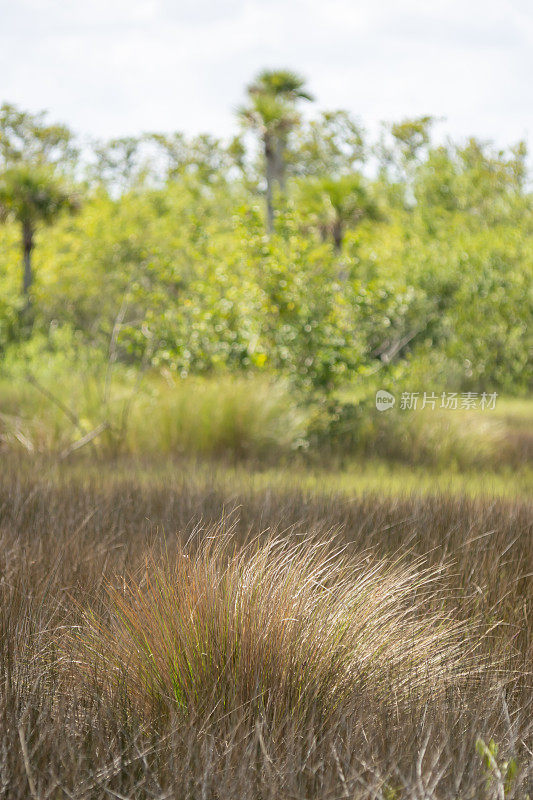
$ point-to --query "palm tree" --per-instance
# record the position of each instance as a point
(272, 112)
(33, 195)
(337, 203)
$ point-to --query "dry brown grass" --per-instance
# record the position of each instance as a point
(364, 723)
(284, 630)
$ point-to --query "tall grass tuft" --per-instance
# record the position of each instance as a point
(284, 629)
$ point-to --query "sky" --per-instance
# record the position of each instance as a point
(119, 67)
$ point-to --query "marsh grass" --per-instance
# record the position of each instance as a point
(254, 417)
(289, 629)
(217, 417)
(108, 561)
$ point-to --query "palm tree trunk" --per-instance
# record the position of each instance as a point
(27, 247)
(338, 235)
(26, 314)
(281, 177)
(270, 164)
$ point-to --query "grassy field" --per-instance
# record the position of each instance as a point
(261, 420)
(194, 630)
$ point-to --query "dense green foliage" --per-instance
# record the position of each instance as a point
(421, 273)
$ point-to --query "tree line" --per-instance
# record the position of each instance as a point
(300, 245)
(43, 173)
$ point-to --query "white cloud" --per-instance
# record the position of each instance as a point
(120, 66)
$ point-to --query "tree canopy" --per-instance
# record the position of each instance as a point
(404, 256)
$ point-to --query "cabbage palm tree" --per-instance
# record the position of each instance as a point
(272, 112)
(338, 203)
(33, 196)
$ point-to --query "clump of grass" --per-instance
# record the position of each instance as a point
(440, 439)
(222, 415)
(239, 417)
(287, 630)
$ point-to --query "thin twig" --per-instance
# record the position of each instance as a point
(26, 759)
(62, 407)
(77, 445)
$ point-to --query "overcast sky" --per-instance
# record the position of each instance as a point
(114, 67)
